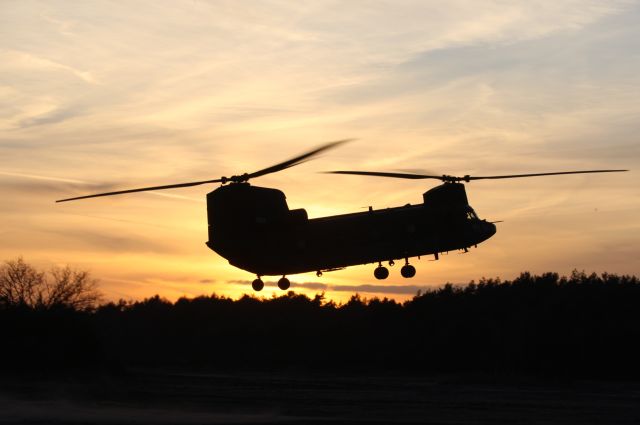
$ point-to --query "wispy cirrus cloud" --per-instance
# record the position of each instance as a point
(21, 61)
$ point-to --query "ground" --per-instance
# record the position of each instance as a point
(189, 398)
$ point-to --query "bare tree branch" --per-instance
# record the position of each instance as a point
(23, 285)
(20, 283)
(71, 288)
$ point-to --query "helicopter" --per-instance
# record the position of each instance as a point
(253, 228)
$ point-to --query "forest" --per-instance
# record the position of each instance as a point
(578, 326)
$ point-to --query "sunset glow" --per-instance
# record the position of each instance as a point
(98, 96)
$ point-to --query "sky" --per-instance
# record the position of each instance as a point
(107, 95)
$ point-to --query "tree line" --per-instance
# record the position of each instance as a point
(582, 325)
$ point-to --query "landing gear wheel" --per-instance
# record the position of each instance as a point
(284, 283)
(257, 285)
(381, 273)
(408, 271)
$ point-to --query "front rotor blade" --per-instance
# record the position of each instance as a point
(143, 189)
(513, 176)
(384, 174)
(297, 160)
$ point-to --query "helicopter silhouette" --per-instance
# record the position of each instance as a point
(254, 229)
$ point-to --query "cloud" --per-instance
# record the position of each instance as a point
(23, 185)
(207, 281)
(382, 289)
(28, 61)
(315, 286)
(53, 185)
(367, 288)
(41, 177)
(312, 286)
(52, 117)
(105, 241)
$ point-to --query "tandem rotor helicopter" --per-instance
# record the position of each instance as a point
(254, 229)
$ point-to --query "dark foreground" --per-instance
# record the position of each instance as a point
(175, 398)
(535, 350)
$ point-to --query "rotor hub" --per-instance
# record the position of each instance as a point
(242, 178)
(455, 179)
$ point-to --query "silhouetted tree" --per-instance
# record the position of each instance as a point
(22, 285)
(581, 325)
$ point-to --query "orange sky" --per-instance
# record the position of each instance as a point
(98, 96)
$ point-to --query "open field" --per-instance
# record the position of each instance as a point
(175, 398)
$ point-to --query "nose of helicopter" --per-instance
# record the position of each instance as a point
(490, 229)
(487, 230)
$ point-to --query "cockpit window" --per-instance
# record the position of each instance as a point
(471, 214)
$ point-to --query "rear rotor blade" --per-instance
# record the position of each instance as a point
(144, 189)
(513, 176)
(297, 160)
(451, 179)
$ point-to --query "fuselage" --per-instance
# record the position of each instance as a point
(253, 228)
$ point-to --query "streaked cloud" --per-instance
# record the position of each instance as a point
(360, 289)
(40, 177)
(22, 61)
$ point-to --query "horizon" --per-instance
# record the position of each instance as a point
(103, 96)
(365, 292)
